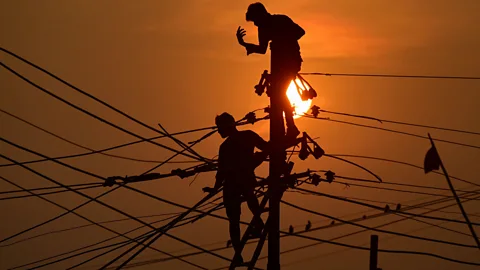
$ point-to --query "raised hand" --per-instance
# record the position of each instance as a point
(240, 34)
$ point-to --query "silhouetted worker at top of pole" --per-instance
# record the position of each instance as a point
(236, 172)
(283, 35)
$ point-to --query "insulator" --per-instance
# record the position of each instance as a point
(305, 95)
(318, 152)
(315, 110)
(304, 153)
(316, 179)
(330, 176)
(259, 89)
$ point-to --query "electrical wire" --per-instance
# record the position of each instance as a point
(85, 218)
(116, 147)
(311, 230)
(74, 168)
(285, 234)
(391, 76)
(393, 131)
(159, 233)
(394, 189)
(378, 230)
(90, 96)
(171, 224)
(129, 144)
(91, 114)
(405, 163)
(162, 230)
(400, 123)
(384, 239)
(389, 250)
(115, 209)
(392, 183)
(70, 189)
(83, 226)
(45, 188)
(71, 142)
(48, 193)
(394, 203)
(184, 149)
(382, 209)
(91, 245)
(378, 226)
(355, 164)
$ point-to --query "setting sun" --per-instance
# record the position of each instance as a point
(300, 106)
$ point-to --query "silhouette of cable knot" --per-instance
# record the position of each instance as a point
(315, 111)
(182, 173)
(110, 181)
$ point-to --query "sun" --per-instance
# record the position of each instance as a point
(301, 107)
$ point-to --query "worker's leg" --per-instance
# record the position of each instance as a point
(254, 207)
(232, 204)
(284, 82)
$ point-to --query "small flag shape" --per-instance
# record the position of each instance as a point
(432, 160)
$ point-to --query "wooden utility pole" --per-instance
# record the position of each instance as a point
(277, 162)
(373, 252)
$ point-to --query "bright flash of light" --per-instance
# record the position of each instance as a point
(300, 107)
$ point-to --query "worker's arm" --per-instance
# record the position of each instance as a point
(253, 48)
(259, 142)
(219, 177)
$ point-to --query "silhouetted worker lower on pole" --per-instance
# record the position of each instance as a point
(236, 172)
(286, 60)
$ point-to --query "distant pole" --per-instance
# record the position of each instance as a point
(373, 252)
(474, 235)
(277, 162)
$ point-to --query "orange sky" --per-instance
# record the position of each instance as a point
(178, 63)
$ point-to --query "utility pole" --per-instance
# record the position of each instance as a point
(373, 252)
(277, 163)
